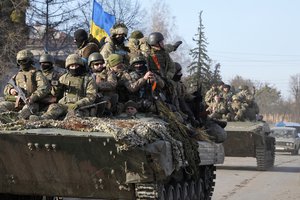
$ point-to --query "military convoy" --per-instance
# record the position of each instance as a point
(103, 158)
(251, 139)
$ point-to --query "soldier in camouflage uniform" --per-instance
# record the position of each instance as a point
(238, 109)
(248, 98)
(31, 81)
(84, 44)
(77, 89)
(106, 82)
(52, 75)
(115, 43)
(160, 62)
(217, 108)
(139, 82)
(211, 93)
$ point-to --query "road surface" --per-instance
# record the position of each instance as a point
(238, 179)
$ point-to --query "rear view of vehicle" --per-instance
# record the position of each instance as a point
(250, 139)
(287, 139)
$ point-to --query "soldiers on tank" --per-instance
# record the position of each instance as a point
(85, 45)
(77, 88)
(106, 84)
(46, 63)
(26, 88)
(115, 43)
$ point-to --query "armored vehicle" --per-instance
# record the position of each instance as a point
(105, 159)
(250, 139)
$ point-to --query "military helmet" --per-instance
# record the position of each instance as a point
(46, 58)
(227, 86)
(154, 38)
(74, 59)
(25, 55)
(136, 34)
(137, 58)
(96, 56)
(119, 29)
(114, 59)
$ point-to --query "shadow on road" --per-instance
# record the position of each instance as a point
(253, 168)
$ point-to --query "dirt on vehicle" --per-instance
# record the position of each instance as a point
(144, 158)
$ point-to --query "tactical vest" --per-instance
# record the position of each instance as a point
(75, 88)
(27, 81)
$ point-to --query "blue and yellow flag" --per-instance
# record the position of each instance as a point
(101, 21)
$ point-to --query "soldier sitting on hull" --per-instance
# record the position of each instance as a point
(139, 83)
(84, 45)
(77, 88)
(211, 93)
(217, 108)
(238, 109)
(115, 43)
(52, 75)
(160, 63)
(25, 89)
(106, 84)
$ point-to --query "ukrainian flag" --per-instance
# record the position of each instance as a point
(101, 21)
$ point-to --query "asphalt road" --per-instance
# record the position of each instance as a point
(238, 179)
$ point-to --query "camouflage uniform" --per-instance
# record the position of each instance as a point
(115, 46)
(77, 90)
(52, 75)
(137, 83)
(106, 83)
(217, 108)
(160, 62)
(85, 47)
(210, 94)
(238, 109)
(31, 81)
(246, 97)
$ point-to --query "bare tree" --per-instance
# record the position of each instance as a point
(126, 11)
(53, 21)
(295, 87)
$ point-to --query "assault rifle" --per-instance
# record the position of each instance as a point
(21, 95)
(92, 105)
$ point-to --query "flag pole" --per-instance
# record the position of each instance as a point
(91, 26)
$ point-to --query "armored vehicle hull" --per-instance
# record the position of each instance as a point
(51, 162)
(250, 139)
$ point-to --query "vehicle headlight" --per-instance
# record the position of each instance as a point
(289, 144)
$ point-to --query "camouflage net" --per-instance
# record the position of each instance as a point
(129, 133)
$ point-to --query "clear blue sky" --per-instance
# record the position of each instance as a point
(257, 39)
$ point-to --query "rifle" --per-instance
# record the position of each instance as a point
(92, 105)
(21, 94)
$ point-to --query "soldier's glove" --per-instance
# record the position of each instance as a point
(176, 45)
(73, 106)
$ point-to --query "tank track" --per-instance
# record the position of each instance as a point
(265, 155)
(201, 189)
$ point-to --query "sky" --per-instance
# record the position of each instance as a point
(256, 39)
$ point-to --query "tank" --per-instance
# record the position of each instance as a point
(105, 159)
(251, 139)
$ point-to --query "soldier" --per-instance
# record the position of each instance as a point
(115, 43)
(131, 109)
(139, 82)
(211, 93)
(84, 44)
(160, 62)
(26, 88)
(77, 89)
(135, 41)
(106, 83)
(52, 75)
(217, 108)
(238, 109)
